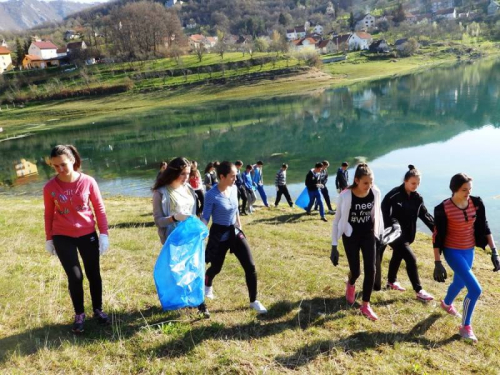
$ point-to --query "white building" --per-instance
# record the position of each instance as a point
(365, 23)
(360, 41)
(5, 59)
(449, 14)
(171, 3)
(318, 29)
(44, 50)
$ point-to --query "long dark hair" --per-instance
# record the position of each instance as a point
(70, 151)
(208, 167)
(173, 171)
(362, 170)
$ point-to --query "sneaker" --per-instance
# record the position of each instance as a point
(466, 333)
(259, 307)
(204, 311)
(291, 205)
(367, 311)
(101, 317)
(324, 219)
(424, 296)
(209, 292)
(395, 286)
(331, 212)
(450, 309)
(350, 293)
(78, 324)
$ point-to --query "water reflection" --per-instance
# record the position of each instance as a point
(361, 122)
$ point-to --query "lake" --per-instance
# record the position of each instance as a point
(443, 121)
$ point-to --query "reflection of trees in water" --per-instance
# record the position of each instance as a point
(367, 120)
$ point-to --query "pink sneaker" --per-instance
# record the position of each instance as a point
(367, 311)
(424, 296)
(350, 293)
(395, 286)
(450, 309)
(466, 333)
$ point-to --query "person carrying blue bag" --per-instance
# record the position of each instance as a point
(221, 204)
(174, 201)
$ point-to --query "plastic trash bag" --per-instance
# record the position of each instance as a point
(180, 268)
(303, 199)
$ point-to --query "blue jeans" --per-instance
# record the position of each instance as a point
(460, 262)
(315, 195)
(260, 189)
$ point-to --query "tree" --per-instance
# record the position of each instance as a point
(409, 48)
(261, 45)
(19, 53)
(352, 21)
(399, 14)
(221, 47)
(199, 51)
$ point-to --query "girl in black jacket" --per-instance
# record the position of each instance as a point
(402, 206)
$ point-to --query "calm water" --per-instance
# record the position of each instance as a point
(443, 121)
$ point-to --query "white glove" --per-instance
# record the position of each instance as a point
(49, 246)
(320, 186)
(181, 217)
(103, 244)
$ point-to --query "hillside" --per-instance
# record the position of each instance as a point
(16, 15)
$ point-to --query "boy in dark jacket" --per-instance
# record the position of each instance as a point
(313, 185)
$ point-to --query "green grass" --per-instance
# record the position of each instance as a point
(309, 328)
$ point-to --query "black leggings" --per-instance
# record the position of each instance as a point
(402, 250)
(242, 194)
(200, 193)
(326, 195)
(283, 190)
(352, 245)
(88, 246)
(241, 250)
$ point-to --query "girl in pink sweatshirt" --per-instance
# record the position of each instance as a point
(70, 228)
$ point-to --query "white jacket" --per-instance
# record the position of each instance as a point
(341, 224)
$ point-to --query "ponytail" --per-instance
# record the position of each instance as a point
(362, 170)
(70, 151)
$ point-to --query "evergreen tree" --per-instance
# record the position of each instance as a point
(352, 21)
(19, 52)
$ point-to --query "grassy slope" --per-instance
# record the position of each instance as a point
(356, 69)
(309, 327)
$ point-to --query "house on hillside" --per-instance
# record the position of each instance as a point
(493, 7)
(366, 22)
(437, 5)
(70, 34)
(447, 14)
(297, 32)
(341, 42)
(360, 40)
(5, 60)
(325, 47)
(35, 62)
(400, 44)
(75, 47)
(410, 17)
(318, 29)
(304, 44)
(3, 43)
(44, 50)
(379, 46)
(196, 41)
(62, 52)
(191, 24)
(211, 41)
(172, 3)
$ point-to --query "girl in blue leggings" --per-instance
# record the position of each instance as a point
(460, 226)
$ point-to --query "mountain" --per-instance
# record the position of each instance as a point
(16, 15)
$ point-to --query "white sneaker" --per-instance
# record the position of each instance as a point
(209, 292)
(259, 307)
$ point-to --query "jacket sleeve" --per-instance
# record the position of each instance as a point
(386, 212)
(426, 217)
(337, 179)
(310, 183)
(336, 220)
(325, 178)
(440, 223)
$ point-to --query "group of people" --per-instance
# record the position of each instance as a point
(364, 221)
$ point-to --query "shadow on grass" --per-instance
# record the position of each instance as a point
(148, 224)
(309, 313)
(361, 341)
(124, 326)
(287, 218)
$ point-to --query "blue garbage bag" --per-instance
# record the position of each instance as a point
(180, 268)
(303, 199)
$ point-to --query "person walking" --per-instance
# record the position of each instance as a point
(249, 188)
(460, 226)
(313, 186)
(342, 179)
(402, 206)
(360, 223)
(209, 176)
(69, 199)
(258, 179)
(281, 188)
(174, 200)
(240, 185)
(323, 180)
(197, 185)
(221, 204)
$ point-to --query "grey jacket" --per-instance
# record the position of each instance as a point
(161, 211)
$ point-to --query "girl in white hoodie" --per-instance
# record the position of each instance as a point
(359, 222)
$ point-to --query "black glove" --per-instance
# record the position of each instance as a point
(440, 274)
(334, 256)
(495, 260)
